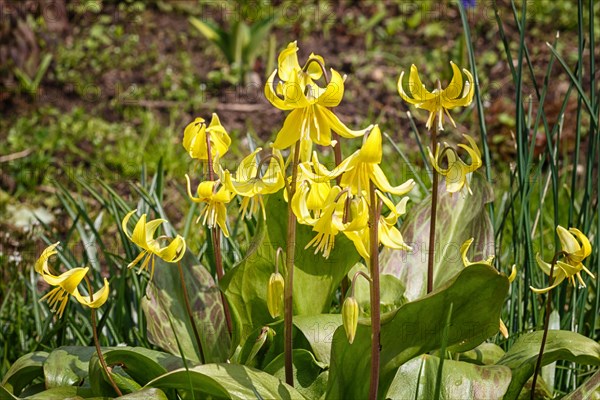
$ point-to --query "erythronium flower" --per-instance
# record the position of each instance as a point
(194, 138)
(340, 213)
(362, 168)
(143, 237)
(214, 195)
(291, 87)
(66, 285)
(438, 101)
(456, 170)
(250, 182)
(464, 249)
(389, 236)
(574, 253)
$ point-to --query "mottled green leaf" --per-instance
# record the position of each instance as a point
(476, 293)
(560, 345)
(460, 380)
(67, 366)
(310, 376)
(315, 278)
(590, 390)
(460, 216)
(165, 299)
(229, 381)
(24, 371)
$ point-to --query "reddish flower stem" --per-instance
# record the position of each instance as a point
(289, 284)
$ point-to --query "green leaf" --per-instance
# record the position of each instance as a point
(24, 371)
(246, 284)
(216, 35)
(588, 390)
(146, 394)
(165, 299)
(392, 291)
(318, 331)
(5, 394)
(258, 32)
(310, 377)
(560, 345)
(459, 218)
(60, 393)
(477, 294)
(460, 380)
(484, 354)
(226, 381)
(67, 366)
(139, 363)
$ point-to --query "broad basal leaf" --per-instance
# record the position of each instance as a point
(476, 293)
(459, 217)
(315, 277)
(229, 381)
(165, 300)
(460, 380)
(24, 371)
(560, 345)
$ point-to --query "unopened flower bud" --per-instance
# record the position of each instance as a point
(275, 294)
(350, 317)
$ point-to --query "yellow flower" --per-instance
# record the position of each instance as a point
(66, 284)
(339, 213)
(250, 182)
(438, 101)
(296, 90)
(362, 168)
(388, 234)
(456, 170)
(194, 138)
(143, 237)
(574, 253)
(464, 249)
(215, 196)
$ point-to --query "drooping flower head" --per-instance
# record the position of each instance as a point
(294, 88)
(456, 171)
(65, 285)
(194, 138)
(438, 101)
(362, 168)
(575, 248)
(388, 235)
(143, 237)
(250, 182)
(214, 195)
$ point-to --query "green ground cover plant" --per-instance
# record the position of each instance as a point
(309, 265)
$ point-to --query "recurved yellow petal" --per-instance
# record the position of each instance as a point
(41, 265)
(99, 298)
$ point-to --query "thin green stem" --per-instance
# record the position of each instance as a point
(289, 284)
(97, 342)
(374, 212)
(188, 308)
